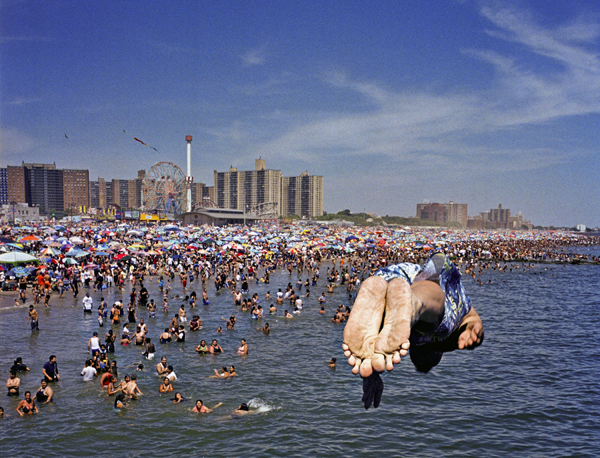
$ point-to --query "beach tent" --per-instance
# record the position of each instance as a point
(16, 257)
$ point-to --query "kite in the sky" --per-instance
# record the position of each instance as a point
(66, 136)
(145, 144)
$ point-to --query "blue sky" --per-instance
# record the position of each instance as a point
(392, 102)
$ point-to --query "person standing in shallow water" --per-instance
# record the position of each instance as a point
(33, 318)
(407, 306)
(50, 370)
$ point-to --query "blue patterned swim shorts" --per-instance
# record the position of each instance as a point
(457, 304)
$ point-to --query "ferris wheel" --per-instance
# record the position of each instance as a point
(164, 188)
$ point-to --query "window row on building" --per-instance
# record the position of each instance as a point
(251, 190)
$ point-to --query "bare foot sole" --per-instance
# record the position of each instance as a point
(393, 340)
(471, 332)
(363, 325)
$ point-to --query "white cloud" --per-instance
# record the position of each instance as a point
(22, 101)
(398, 123)
(256, 56)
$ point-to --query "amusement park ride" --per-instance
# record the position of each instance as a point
(166, 189)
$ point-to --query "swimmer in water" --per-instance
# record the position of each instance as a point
(202, 348)
(13, 384)
(242, 409)
(120, 401)
(332, 362)
(223, 374)
(27, 406)
(162, 367)
(215, 347)
(165, 386)
(408, 306)
(243, 349)
(178, 398)
(201, 408)
(44, 393)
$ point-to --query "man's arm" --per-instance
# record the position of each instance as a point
(469, 335)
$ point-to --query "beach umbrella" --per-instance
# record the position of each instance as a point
(91, 266)
(15, 257)
(30, 238)
(20, 271)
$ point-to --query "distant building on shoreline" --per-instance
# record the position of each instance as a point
(253, 190)
(499, 218)
(46, 187)
(443, 213)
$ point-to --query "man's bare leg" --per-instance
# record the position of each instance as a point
(364, 324)
(402, 309)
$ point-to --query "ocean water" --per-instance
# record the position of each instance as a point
(531, 389)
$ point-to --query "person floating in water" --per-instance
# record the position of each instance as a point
(407, 306)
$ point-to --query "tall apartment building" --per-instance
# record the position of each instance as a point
(100, 193)
(15, 177)
(202, 194)
(120, 193)
(499, 215)
(76, 188)
(45, 183)
(3, 187)
(443, 213)
(135, 190)
(302, 196)
(243, 190)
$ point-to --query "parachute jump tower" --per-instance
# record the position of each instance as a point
(188, 178)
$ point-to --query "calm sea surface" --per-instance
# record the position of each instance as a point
(532, 388)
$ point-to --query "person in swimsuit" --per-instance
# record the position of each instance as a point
(201, 408)
(215, 347)
(13, 384)
(195, 324)
(224, 373)
(165, 337)
(27, 406)
(407, 306)
(33, 318)
(18, 366)
(165, 386)
(202, 348)
(242, 409)
(105, 380)
(243, 349)
(178, 398)
(44, 393)
(150, 349)
(111, 388)
(120, 401)
(162, 367)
